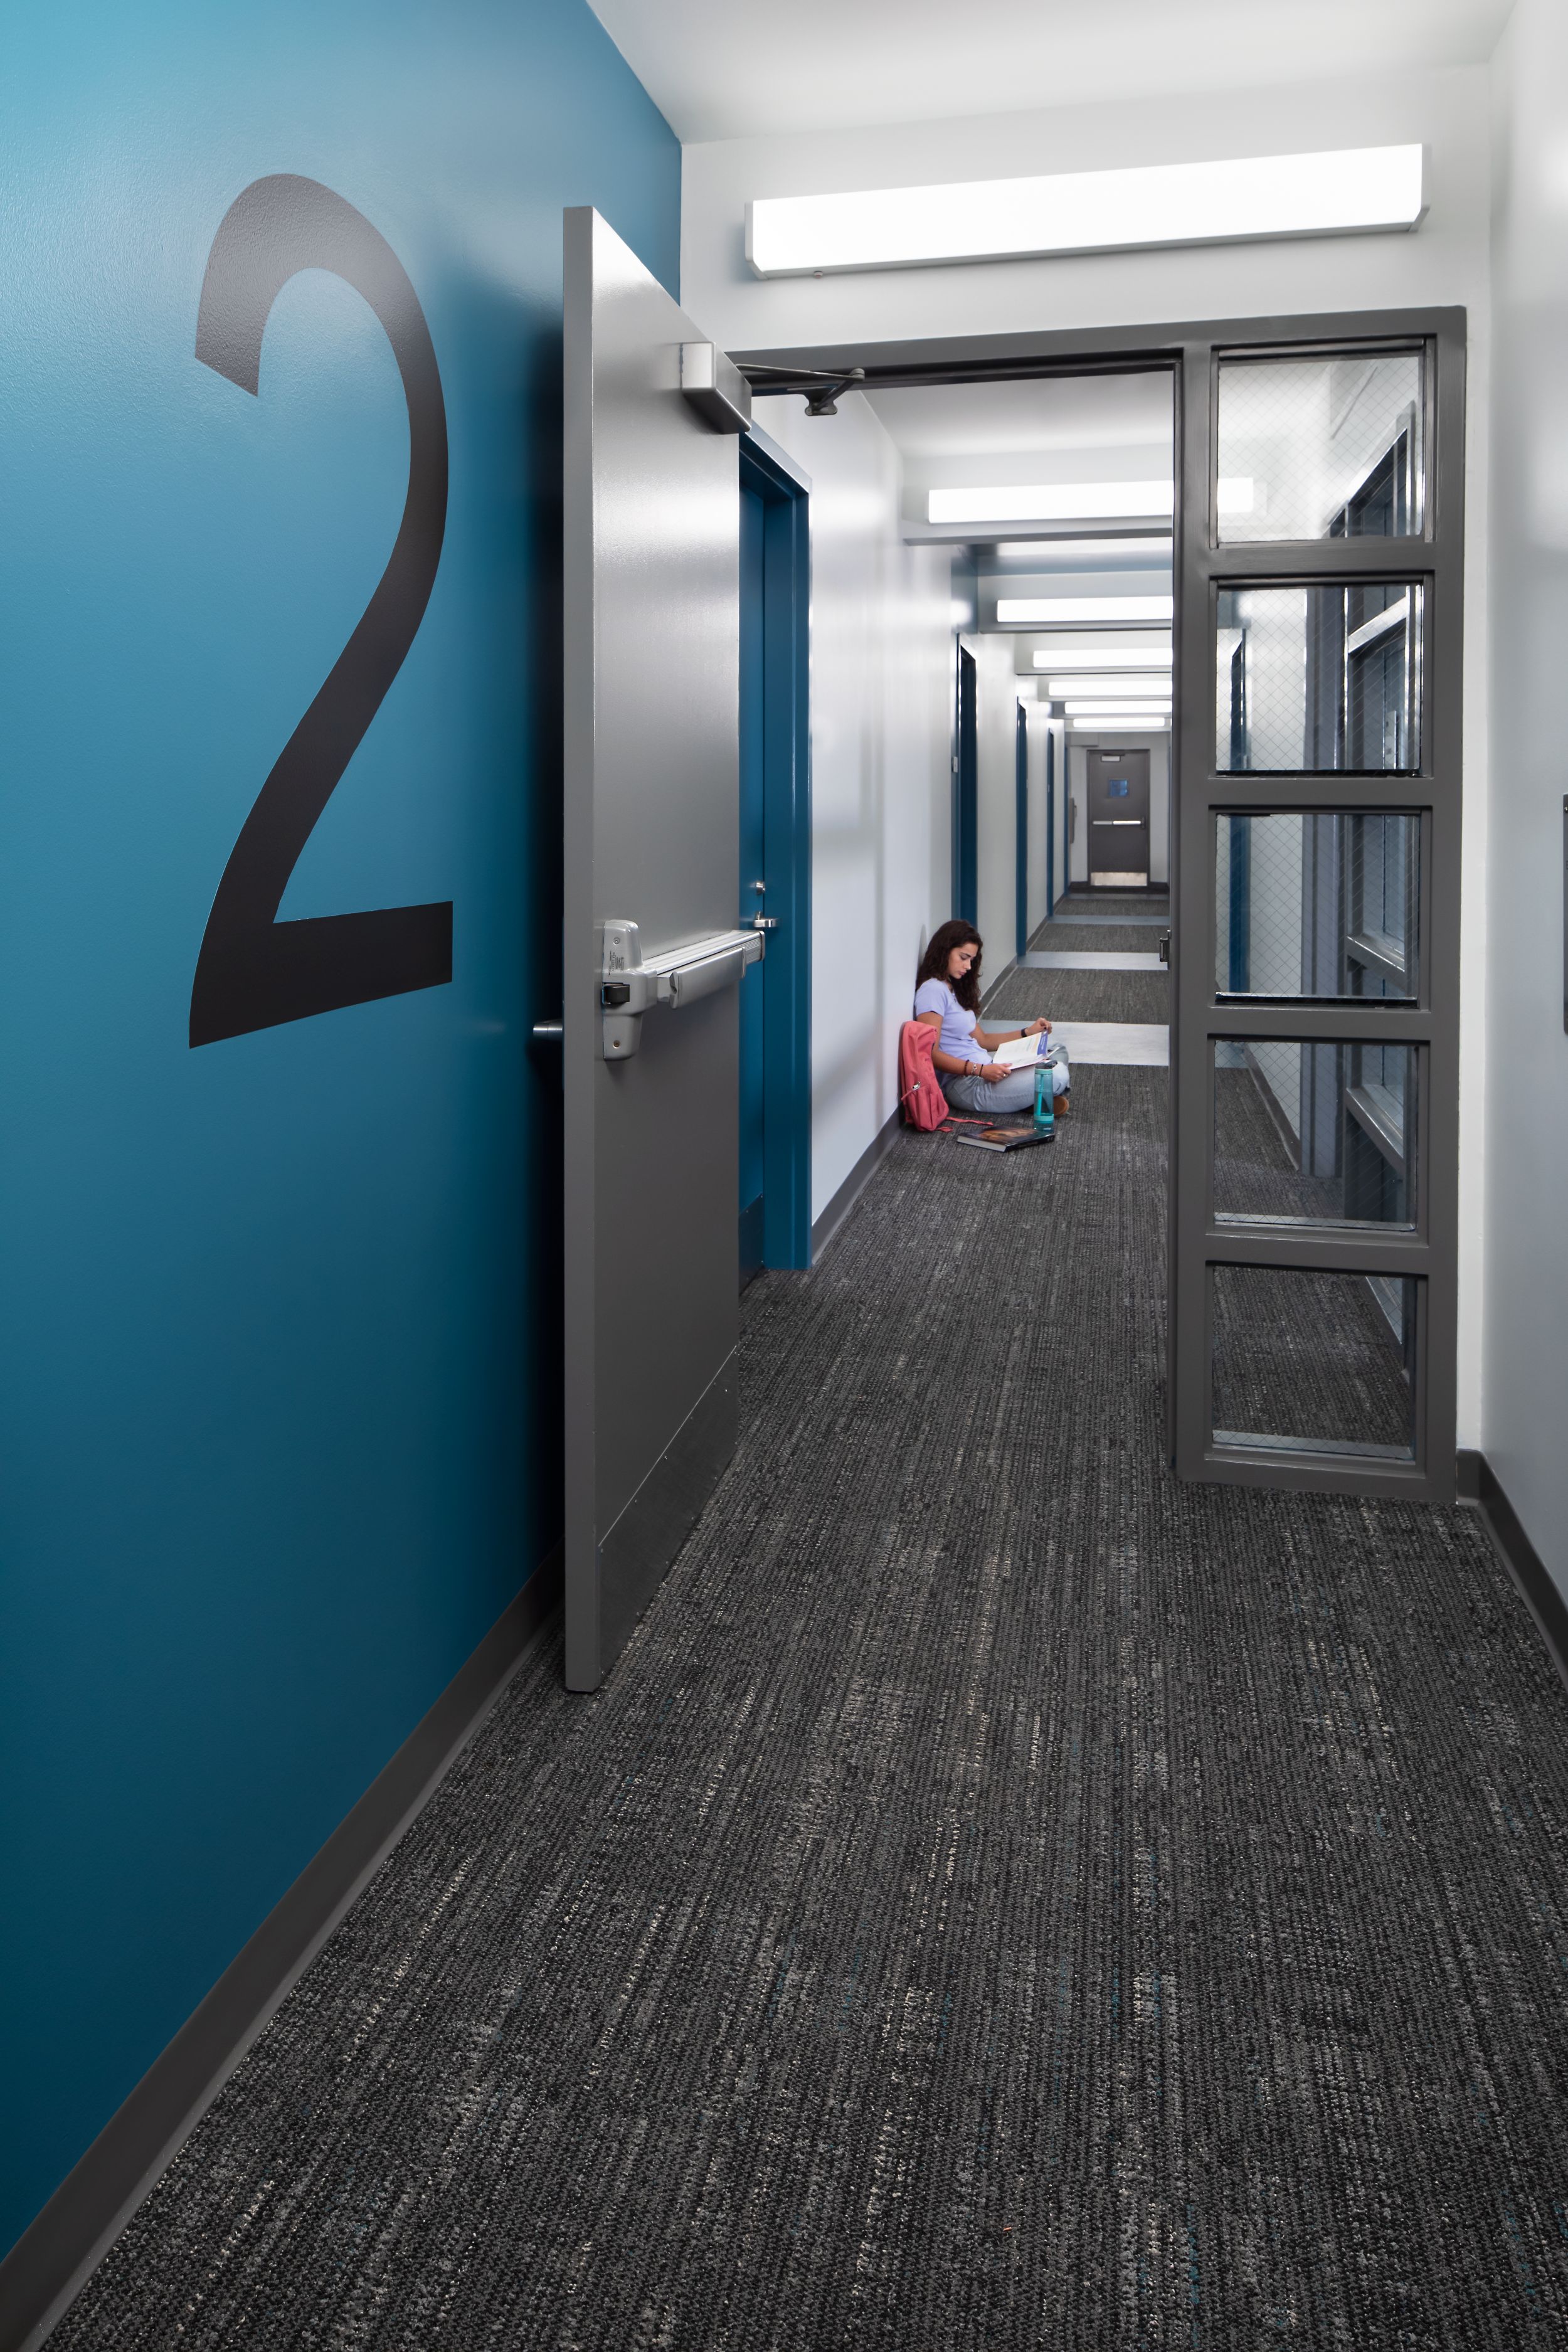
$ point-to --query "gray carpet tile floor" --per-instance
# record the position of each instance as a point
(1141, 996)
(1080, 996)
(1139, 941)
(1002, 1898)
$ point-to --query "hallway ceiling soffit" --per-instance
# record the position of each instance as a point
(720, 72)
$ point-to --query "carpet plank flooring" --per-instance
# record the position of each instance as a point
(1129, 936)
(1079, 996)
(1002, 1898)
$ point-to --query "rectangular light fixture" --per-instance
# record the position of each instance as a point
(1057, 612)
(1101, 658)
(1050, 501)
(1106, 544)
(1117, 728)
(1339, 193)
(1118, 710)
(1108, 548)
(1079, 502)
(1135, 689)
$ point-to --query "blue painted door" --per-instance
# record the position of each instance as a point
(754, 868)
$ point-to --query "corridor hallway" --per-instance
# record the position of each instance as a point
(1002, 1899)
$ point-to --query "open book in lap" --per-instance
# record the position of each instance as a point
(1013, 1052)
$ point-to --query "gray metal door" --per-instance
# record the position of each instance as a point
(652, 958)
(1116, 798)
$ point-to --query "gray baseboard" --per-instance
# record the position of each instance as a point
(1481, 1488)
(854, 1184)
(57, 2252)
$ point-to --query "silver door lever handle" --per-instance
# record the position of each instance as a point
(628, 987)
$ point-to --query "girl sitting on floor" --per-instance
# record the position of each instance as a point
(947, 999)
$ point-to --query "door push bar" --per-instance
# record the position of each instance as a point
(628, 988)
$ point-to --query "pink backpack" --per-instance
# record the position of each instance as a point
(919, 1088)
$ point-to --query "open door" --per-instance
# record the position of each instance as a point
(652, 954)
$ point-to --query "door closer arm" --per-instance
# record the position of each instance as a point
(628, 988)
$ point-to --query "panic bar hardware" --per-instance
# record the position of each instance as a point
(628, 988)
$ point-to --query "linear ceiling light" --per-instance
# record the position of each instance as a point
(1050, 548)
(1050, 501)
(1349, 189)
(1049, 611)
(1134, 688)
(1101, 658)
(1120, 728)
(1079, 502)
(1118, 710)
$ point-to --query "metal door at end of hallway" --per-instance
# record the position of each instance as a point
(651, 522)
(1117, 798)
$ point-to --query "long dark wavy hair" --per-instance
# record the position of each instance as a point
(934, 963)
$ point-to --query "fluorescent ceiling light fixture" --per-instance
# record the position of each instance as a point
(1130, 687)
(1101, 658)
(1055, 612)
(1330, 195)
(1118, 710)
(1120, 728)
(1080, 502)
(1050, 501)
(1047, 547)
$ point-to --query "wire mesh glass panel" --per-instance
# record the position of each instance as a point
(1314, 1133)
(1318, 677)
(1314, 1361)
(1320, 449)
(1312, 903)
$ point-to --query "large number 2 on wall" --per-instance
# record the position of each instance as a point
(253, 971)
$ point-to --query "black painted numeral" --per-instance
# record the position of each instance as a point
(253, 971)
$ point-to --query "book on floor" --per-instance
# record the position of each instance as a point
(1004, 1138)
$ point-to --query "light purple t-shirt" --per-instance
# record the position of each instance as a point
(957, 1025)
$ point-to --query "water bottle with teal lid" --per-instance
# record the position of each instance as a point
(1045, 1099)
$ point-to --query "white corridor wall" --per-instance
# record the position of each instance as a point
(997, 797)
(1526, 1088)
(881, 730)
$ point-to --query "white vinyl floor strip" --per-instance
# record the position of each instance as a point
(1146, 1042)
(1088, 960)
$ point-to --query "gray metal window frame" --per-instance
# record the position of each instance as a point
(1201, 792)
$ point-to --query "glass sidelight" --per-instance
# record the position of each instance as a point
(1314, 1131)
(1316, 903)
(1322, 676)
(1321, 447)
(1315, 1048)
(1314, 1361)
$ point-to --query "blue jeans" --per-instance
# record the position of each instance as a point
(987, 1098)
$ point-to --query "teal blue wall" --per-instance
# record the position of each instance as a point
(277, 1316)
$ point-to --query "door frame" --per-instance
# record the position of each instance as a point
(766, 470)
(1021, 831)
(1189, 351)
(1050, 823)
(966, 789)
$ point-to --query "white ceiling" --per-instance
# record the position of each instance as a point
(731, 68)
